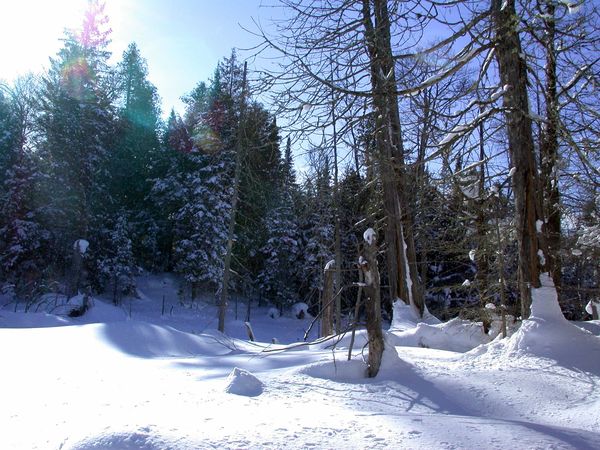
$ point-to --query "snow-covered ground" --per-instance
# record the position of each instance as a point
(134, 378)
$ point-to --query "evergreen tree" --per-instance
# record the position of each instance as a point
(167, 192)
(136, 150)
(138, 132)
(278, 280)
(21, 235)
(114, 258)
(317, 234)
(76, 123)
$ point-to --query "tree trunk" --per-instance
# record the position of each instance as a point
(482, 260)
(327, 302)
(513, 74)
(368, 265)
(549, 151)
(232, 217)
(75, 271)
(404, 282)
(337, 231)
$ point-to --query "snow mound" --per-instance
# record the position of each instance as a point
(147, 340)
(593, 326)
(143, 439)
(561, 342)
(10, 319)
(273, 313)
(242, 382)
(456, 335)
(546, 334)
(355, 370)
(300, 310)
(405, 317)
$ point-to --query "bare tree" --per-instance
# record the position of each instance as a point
(356, 36)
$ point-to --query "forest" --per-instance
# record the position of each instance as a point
(486, 157)
(379, 227)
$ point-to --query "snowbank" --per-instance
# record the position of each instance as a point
(546, 334)
(405, 317)
(456, 335)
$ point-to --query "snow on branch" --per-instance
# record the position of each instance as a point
(464, 129)
(370, 236)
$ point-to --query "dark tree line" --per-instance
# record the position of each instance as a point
(475, 156)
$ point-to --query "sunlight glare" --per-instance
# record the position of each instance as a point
(30, 31)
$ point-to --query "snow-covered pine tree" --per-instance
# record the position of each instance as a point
(167, 192)
(278, 280)
(76, 122)
(21, 235)
(200, 224)
(317, 234)
(114, 260)
(136, 149)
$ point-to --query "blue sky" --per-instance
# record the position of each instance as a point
(182, 40)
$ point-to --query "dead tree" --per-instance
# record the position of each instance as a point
(368, 265)
(357, 36)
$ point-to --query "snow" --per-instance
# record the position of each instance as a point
(81, 245)
(370, 236)
(590, 304)
(538, 225)
(541, 257)
(512, 171)
(472, 254)
(131, 378)
(242, 382)
(300, 310)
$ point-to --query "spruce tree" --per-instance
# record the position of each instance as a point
(76, 123)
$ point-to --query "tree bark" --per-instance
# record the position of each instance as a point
(232, 218)
(528, 211)
(403, 277)
(368, 265)
(327, 302)
(549, 151)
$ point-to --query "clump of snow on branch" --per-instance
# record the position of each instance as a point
(590, 305)
(538, 225)
(370, 236)
(541, 257)
(81, 245)
(472, 254)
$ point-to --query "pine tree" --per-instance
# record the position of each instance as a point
(138, 137)
(167, 193)
(278, 280)
(317, 234)
(136, 151)
(76, 123)
(21, 234)
(116, 266)
(200, 231)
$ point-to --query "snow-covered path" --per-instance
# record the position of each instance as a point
(134, 385)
